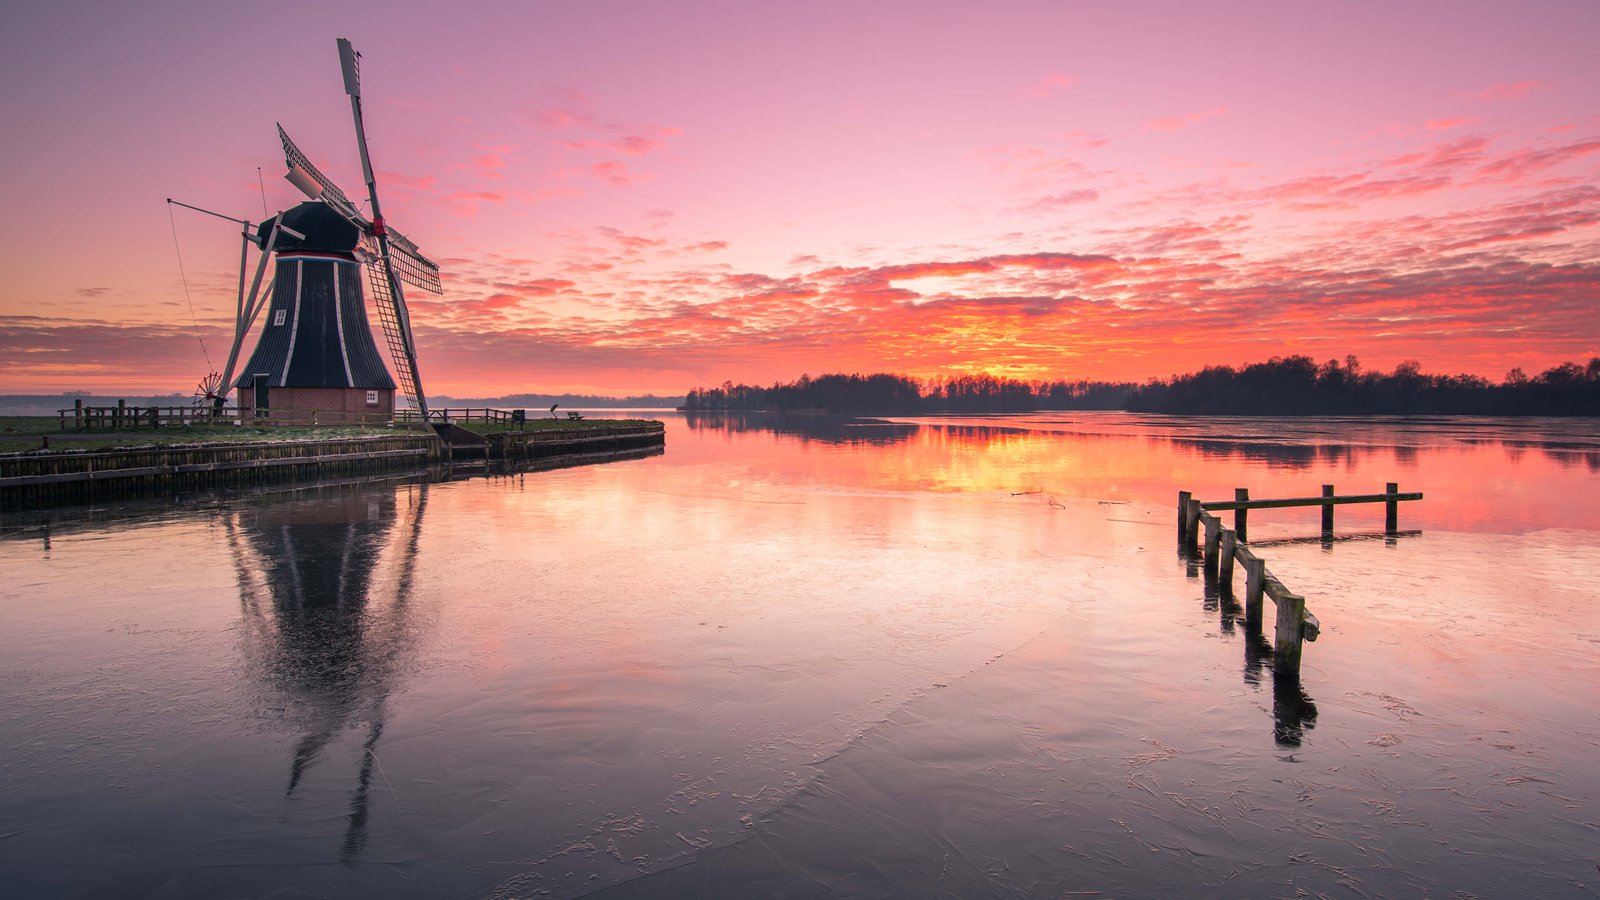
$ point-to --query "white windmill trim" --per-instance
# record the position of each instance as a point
(294, 327)
(338, 321)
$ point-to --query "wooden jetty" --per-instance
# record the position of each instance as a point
(1223, 547)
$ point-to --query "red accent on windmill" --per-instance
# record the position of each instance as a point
(377, 227)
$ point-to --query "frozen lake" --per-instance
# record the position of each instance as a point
(822, 658)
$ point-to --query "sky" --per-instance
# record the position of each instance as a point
(649, 197)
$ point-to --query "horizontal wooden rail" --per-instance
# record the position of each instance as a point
(1221, 505)
(459, 414)
(1241, 504)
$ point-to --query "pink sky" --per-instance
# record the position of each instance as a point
(650, 197)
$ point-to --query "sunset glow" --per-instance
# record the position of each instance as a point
(630, 198)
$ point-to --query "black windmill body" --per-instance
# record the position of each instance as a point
(316, 350)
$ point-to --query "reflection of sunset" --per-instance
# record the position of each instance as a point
(1107, 456)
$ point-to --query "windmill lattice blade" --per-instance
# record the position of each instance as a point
(393, 333)
(412, 267)
(409, 263)
(330, 191)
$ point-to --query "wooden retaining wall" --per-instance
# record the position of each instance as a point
(518, 445)
(50, 477)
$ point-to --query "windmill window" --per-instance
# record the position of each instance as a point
(277, 317)
(372, 398)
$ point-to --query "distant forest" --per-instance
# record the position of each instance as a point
(899, 395)
(1296, 385)
(1293, 385)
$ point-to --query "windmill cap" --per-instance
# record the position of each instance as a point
(325, 230)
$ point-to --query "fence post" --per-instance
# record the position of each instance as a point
(1213, 541)
(1391, 509)
(1327, 510)
(1255, 584)
(1192, 529)
(1230, 544)
(1183, 515)
(1241, 516)
(1286, 642)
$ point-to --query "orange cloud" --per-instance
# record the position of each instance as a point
(1063, 199)
(613, 172)
(1173, 123)
(1050, 84)
(1510, 90)
(1523, 163)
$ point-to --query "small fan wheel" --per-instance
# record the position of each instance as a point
(209, 390)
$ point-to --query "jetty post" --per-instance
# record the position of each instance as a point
(1391, 509)
(1288, 635)
(1327, 510)
(1255, 585)
(1183, 515)
(1241, 515)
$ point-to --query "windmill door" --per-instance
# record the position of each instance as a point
(259, 383)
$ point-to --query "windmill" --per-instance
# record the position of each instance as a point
(316, 350)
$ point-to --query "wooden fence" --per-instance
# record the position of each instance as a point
(123, 417)
(1223, 547)
(459, 414)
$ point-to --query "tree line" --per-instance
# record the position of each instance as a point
(1284, 385)
(1297, 385)
(884, 394)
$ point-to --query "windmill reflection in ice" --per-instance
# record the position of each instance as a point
(325, 591)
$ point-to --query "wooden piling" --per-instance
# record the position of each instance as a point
(1192, 527)
(1241, 516)
(1255, 585)
(1391, 509)
(1327, 510)
(1286, 643)
(1213, 539)
(1183, 515)
(1230, 546)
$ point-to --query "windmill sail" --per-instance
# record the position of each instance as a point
(395, 328)
(397, 259)
(409, 263)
